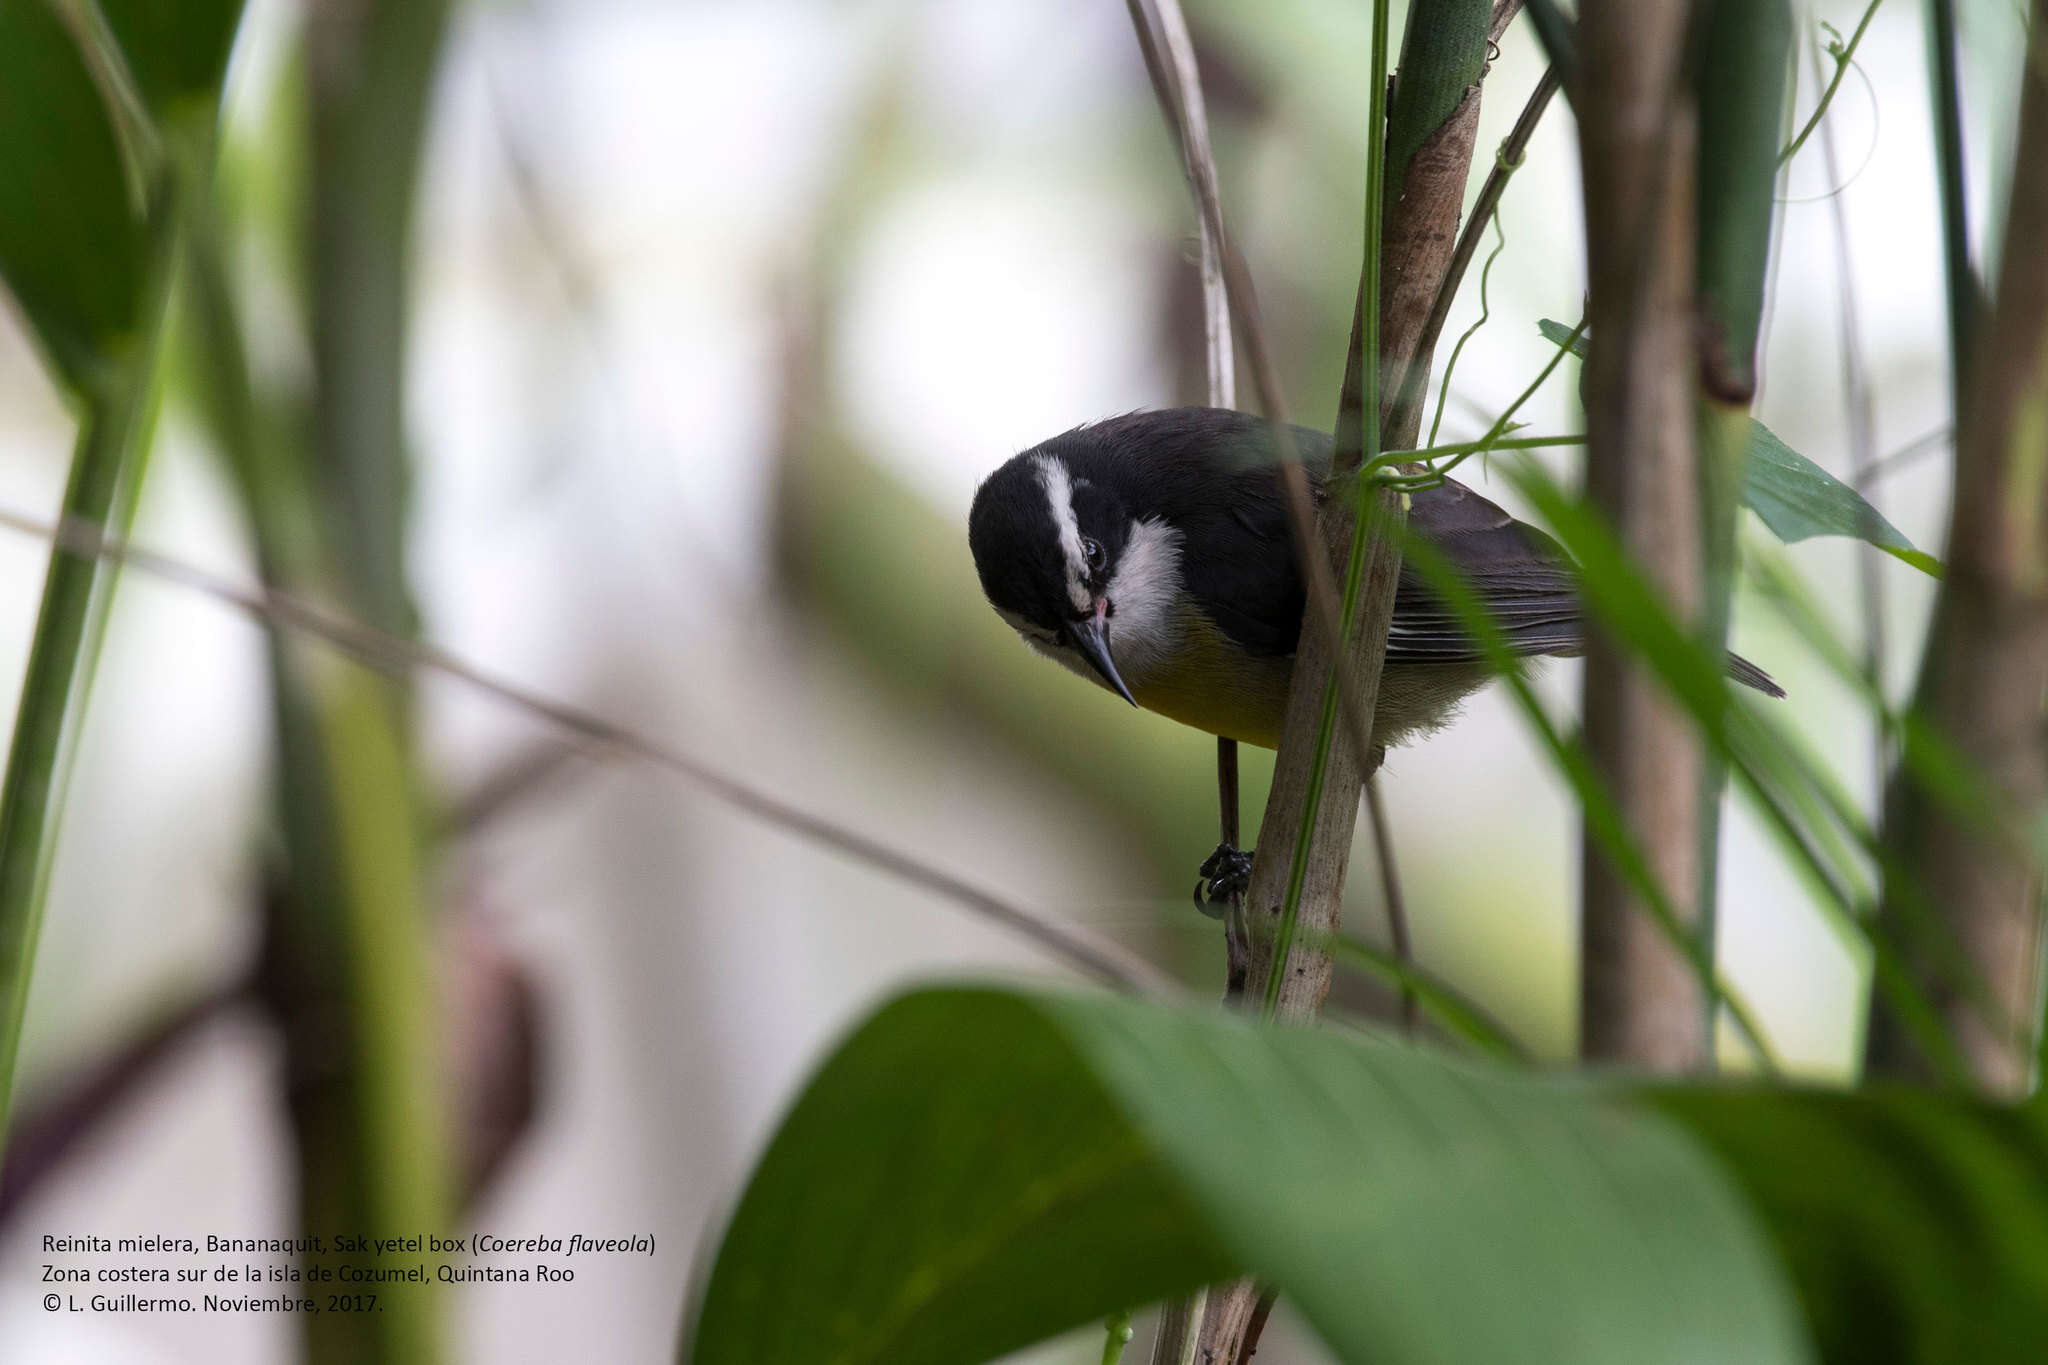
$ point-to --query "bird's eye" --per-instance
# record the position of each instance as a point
(1092, 552)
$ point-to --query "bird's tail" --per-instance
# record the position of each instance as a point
(1749, 675)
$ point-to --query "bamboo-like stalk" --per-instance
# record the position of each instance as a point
(113, 436)
(347, 968)
(1640, 1000)
(1413, 389)
(1985, 668)
(1743, 62)
(1294, 904)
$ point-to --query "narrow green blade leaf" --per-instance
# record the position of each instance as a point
(1798, 499)
(978, 1169)
(1557, 334)
(1792, 495)
(71, 243)
(91, 266)
(177, 50)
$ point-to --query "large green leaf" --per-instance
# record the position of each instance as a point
(1915, 1224)
(978, 1169)
(1792, 495)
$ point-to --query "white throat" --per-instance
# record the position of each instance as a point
(1144, 594)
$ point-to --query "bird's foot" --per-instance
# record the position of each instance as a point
(1224, 875)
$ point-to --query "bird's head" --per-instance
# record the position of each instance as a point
(1048, 543)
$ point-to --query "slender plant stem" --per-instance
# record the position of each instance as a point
(1961, 277)
(1859, 407)
(1893, 461)
(1443, 391)
(1390, 886)
(1363, 527)
(1155, 34)
(1116, 1336)
(1219, 358)
(1436, 474)
(1844, 58)
(77, 596)
(1393, 457)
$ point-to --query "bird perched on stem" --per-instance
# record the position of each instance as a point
(1150, 554)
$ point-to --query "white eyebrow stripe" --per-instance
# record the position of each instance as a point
(1059, 496)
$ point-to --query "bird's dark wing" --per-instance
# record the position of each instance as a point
(1213, 474)
(1519, 572)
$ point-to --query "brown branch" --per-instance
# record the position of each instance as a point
(1641, 1002)
(1985, 669)
(52, 1131)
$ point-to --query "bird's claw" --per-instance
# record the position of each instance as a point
(1223, 876)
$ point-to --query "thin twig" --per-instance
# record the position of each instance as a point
(1199, 162)
(1187, 113)
(1844, 59)
(399, 657)
(1156, 35)
(1965, 288)
(1390, 884)
(508, 786)
(1893, 461)
(49, 1134)
(1443, 388)
(1860, 407)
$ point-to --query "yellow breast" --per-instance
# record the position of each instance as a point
(1214, 685)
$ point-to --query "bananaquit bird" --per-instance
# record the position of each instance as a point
(1150, 554)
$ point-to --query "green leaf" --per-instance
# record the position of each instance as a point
(1792, 495)
(1915, 1225)
(1557, 334)
(73, 244)
(177, 50)
(1798, 499)
(975, 1170)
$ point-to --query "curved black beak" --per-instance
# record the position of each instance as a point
(1087, 636)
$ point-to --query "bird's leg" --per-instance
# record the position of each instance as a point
(1224, 874)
